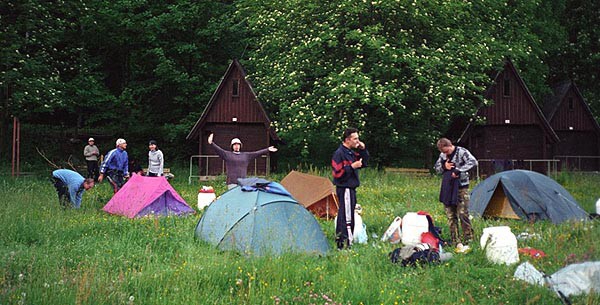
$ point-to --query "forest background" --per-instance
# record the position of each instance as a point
(400, 71)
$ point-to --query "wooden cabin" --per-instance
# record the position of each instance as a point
(578, 131)
(233, 112)
(513, 131)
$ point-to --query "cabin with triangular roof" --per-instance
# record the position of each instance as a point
(233, 112)
(510, 131)
(578, 131)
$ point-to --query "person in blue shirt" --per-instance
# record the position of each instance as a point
(116, 166)
(70, 186)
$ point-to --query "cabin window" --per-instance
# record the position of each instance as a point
(506, 87)
(235, 87)
(571, 104)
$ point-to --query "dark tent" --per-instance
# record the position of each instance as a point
(261, 223)
(527, 195)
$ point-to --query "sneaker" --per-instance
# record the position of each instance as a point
(460, 248)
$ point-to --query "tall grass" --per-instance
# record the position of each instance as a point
(85, 256)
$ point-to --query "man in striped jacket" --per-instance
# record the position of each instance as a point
(351, 156)
(454, 164)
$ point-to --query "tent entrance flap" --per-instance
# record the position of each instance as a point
(499, 205)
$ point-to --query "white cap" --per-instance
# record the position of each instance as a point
(91, 139)
(236, 141)
(121, 141)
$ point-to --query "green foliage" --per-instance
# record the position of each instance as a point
(86, 256)
(401, 71)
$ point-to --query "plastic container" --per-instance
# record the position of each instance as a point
(206, 195)
(393, 234)
(500, 245)
(413, 225)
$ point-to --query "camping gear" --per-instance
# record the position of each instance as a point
(430, 239)
(573, 279)
(500, 245)
(260, 223)
(315, 193)
(393, 234)
(412, 255)
(413, 225)
(527, 195)
(206, 195)
(535, 253)
(142, 196)
(360, 228)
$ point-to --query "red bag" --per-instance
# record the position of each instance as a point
(429, 238)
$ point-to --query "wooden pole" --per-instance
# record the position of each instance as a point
(14, 140)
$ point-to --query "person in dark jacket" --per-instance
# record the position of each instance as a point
(347, 160)
(236, 161)
(454, 164)
(116, 166)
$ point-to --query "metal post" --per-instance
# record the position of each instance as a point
(14, 152)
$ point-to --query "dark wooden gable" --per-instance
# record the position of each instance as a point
(234, 101)
(573, 121)
(513, 105)
(566, 110)
(512, 128)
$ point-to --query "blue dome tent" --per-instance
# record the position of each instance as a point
(260, 222)
(527, 195)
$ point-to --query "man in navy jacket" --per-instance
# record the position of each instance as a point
(351, 156)
(116, 166)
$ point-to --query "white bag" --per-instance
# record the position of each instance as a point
(393, 234)
(500, 245)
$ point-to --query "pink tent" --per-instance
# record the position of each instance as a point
(142, 196)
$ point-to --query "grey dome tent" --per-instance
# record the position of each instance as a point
(527, 195)
(261, 223)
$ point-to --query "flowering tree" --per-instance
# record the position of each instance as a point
(399, 71)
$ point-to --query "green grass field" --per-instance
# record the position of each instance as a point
(85, 256)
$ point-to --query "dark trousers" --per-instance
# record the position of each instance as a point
(64, 198)
(92, 169)
(152, 174)
(345, 218)
(116, 180)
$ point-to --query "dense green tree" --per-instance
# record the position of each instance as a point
(401, 71)
(577, 56)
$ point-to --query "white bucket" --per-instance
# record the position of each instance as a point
(598, 206)
(500, 245)
(413, 225)
(205, 197)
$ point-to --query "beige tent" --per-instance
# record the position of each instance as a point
(315, 193)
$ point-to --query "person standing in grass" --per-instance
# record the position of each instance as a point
(91, 153)
(155, 160)
(347, 160)
(116, 166)
(236, 161)
(70, 186)
(454, 163)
